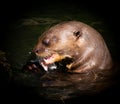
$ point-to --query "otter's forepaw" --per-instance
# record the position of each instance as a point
(32, 67)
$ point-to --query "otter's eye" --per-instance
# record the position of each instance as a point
(77, 34)
(46, 42)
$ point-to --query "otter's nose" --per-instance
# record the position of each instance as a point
(39, 50)
(36, 51)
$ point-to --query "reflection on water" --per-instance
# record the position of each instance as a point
(60, 85)
(63, 86)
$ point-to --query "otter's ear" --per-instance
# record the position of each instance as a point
(77, 34)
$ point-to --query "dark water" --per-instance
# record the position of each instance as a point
(20, 31)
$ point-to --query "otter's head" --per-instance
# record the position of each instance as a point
(72, 39)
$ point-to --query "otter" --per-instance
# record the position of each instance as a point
(77, 41)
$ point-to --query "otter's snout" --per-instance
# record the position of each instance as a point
(38, 50)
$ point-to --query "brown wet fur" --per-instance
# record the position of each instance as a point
(78, 40)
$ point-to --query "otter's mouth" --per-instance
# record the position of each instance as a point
(54, 61)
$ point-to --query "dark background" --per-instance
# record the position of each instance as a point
(10, 11)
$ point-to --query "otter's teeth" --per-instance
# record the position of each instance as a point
(48, 60)
(44, 66)
(45, 62)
